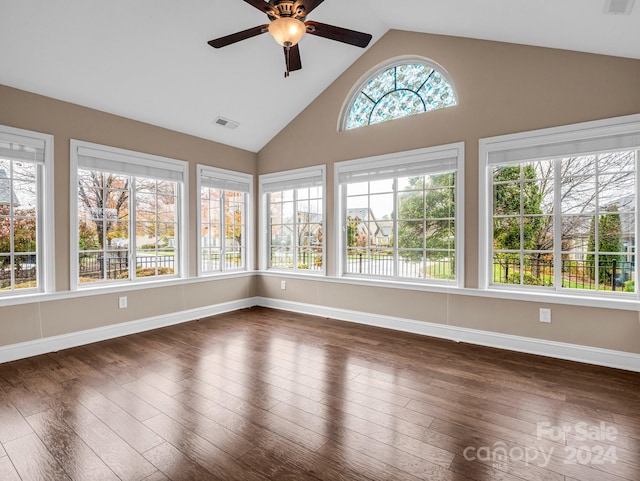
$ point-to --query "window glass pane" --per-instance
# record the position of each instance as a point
(596, 219)
(25, 271)
(359, 188)
(5, 231)
(507, 268)
(6, 270)
(506, 233)
(579, 194)
(440, 264)
(223, 231)
(400, 90)
(412, 76)
(403, 228)
(295, 218)
(24, 235)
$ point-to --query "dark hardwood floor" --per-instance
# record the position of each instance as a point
(261, 394)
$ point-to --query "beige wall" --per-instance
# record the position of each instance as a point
(65, 121)
(502, 88)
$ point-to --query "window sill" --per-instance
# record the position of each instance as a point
(631, 303)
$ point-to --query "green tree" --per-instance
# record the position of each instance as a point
(518, 197)
(352, 230)
(609, 244)
(424, 215)
(24, 231)
(508, 201)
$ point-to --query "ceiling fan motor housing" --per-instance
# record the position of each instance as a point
(286, 9)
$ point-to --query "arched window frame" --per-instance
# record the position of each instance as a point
(376, 71)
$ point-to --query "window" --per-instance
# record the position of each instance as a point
(399, 90)
(26, 212)
(225, 200)
(293, 214)
(127, 215)
(561, 208)
(401, 216)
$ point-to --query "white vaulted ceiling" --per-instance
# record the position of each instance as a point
(148, 59)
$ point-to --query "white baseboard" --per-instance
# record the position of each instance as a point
(572, 352)
(74, 339)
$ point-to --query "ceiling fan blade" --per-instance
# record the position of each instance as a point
(292, 58)
(339, 34)
(238, 36)
(263, 6)
(309, 5)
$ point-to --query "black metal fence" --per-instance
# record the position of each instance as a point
(384, 264)
(115, 265)
(307, 257)
(23, 268)
(614, 275)
(214, 261)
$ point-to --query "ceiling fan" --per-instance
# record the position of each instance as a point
(288, 24)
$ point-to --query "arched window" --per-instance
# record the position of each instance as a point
(401, 89)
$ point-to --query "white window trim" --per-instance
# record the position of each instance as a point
(205, 170)
(142, 159)
(530, 142)
(428, 154)
(46, 209)
(377, 70)
(264, 223)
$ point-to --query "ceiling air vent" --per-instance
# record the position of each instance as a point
(618, 7)
(222, 122)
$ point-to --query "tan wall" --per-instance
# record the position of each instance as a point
(502, 88)
(65, 121)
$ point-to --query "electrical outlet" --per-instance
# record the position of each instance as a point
(283, 285)
(545, 315)
(122, 302)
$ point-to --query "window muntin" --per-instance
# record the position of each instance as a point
(398, 91)
(24, 246)
(224, 214)
(401, 216)
(561, 209)
(294, 219)
(19, 212)
(128, 215)
(590, 198)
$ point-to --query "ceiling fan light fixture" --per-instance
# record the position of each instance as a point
(287, 31)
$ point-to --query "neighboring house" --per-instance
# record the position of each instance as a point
(579, 241)
(378, 231)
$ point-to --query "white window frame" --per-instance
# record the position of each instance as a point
(139, 163)
(290, 179)
(431, 160)
(45, 242)
(582, 138)
(228, 180)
